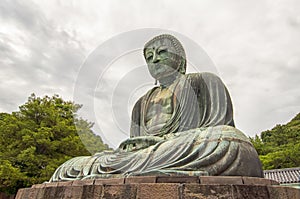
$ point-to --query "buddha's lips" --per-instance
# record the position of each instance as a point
(158, 67)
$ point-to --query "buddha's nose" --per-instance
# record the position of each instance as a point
(155, 58)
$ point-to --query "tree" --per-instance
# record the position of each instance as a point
(39, 137)
(280, 147)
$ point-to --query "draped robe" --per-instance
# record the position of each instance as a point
(198, 139)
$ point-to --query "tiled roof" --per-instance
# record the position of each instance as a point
(283, 176)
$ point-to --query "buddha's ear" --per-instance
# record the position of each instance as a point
(182, 66)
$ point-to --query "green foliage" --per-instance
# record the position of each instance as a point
(39, 137)
(280, 147)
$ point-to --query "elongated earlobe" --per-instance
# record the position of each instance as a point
(155, 83)
(182, 66)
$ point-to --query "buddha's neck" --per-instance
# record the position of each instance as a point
(166, 82)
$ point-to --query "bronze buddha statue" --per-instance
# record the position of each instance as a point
(184, 126)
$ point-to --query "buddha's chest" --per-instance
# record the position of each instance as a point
(159, 108)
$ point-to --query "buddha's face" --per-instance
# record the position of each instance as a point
(162, 59)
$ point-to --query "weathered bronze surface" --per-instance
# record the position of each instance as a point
(184, 126)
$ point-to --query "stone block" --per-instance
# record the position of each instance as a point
(77, 191)
(159, 191)
(221, 180)
(32, 193)
(38, 186)
(59, 191)
(282, 192)
(72, 192)
(118, 191)
(66, 183)
(184, 187)
(67, 192)
(91, 191)
(273, 182)
(51, 184)
(250, 191)
(140, 179)
(292, 193)
(20, 194)
(177, 179)
(49, 192)
(83, 182)
(98, 190)
(192, 191)
(277, 192)
(41, 191)
(25, 194)
(256, 181)
(109, 181)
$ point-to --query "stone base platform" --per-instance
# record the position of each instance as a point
(165, 187)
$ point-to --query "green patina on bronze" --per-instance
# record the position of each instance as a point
(184, 126)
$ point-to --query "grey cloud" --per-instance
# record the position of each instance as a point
(254, 45)
(24, 14)
(54, 55)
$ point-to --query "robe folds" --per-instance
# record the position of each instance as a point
(201, 100)
(199, 139)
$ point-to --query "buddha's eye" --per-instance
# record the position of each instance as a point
(162, 51)
(149, 58)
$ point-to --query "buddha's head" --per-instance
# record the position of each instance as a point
(165, 57)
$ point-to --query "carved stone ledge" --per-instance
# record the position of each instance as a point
(163, 187)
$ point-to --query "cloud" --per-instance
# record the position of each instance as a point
(254, 45)
(37, 56)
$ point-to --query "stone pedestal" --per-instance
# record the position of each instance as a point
(148, 187)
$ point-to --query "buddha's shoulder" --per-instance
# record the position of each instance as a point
(203, 75)
(146, 95)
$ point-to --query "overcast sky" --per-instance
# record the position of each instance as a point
(46, 46)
